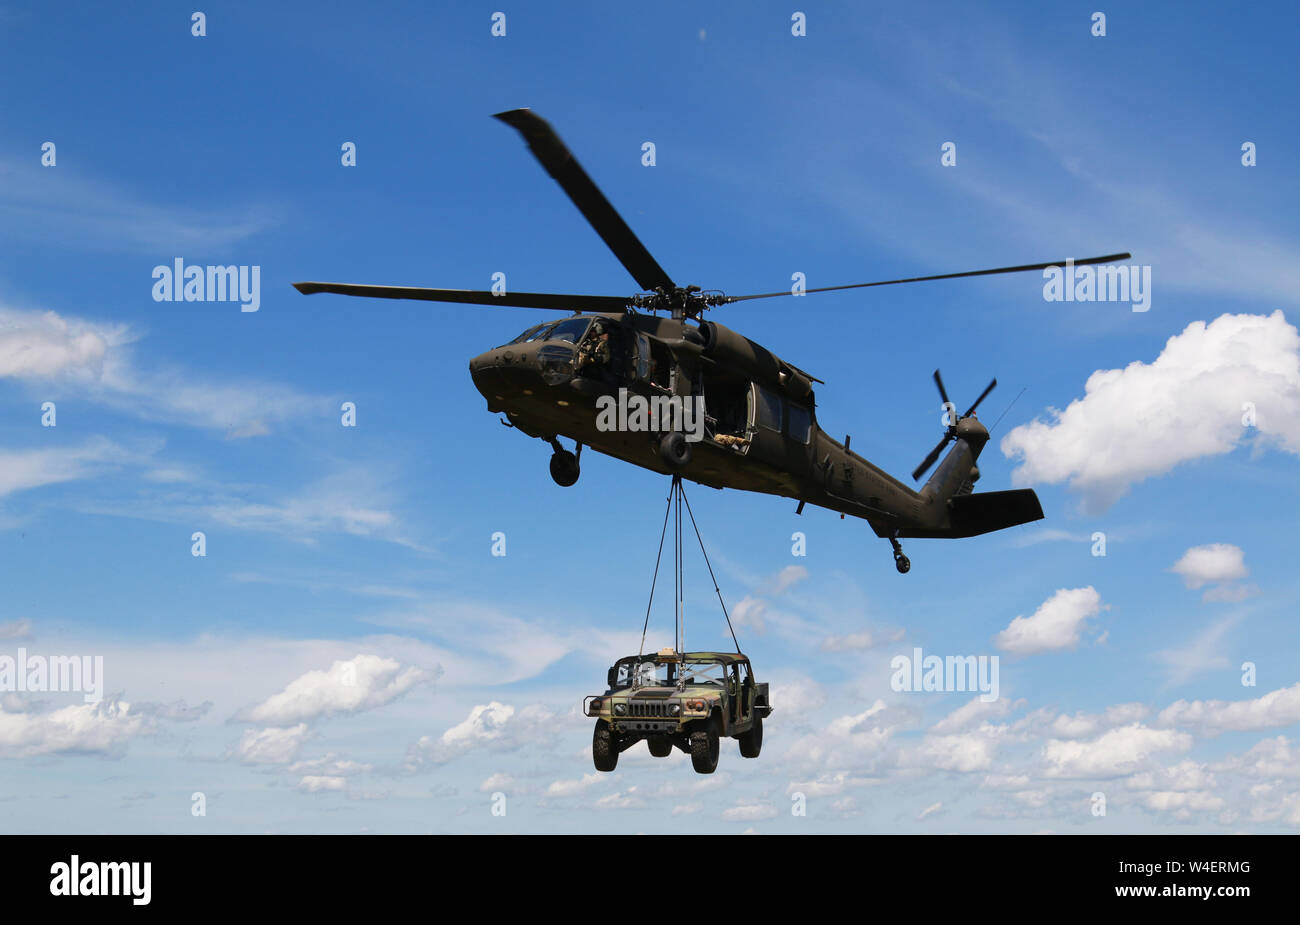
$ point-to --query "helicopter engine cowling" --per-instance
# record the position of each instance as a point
(723, 345)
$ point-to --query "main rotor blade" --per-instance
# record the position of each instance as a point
(591, 202)
(550, 300)
(983, 395)
(943, 393)
(1109, 258)
(929, 459)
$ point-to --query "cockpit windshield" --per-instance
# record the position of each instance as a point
(570, 330)
(536, 332)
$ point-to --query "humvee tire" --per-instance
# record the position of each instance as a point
(604, 751)
(704, 749)
(751, 742)
(660, 746)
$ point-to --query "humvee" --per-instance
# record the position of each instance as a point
(686, 700)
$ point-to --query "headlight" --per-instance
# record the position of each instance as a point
(593, 707)
(620, 709)
(674, 709)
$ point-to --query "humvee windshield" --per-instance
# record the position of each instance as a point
(648, 674)
(704, 673)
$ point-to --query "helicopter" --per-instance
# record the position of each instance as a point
(758, 429)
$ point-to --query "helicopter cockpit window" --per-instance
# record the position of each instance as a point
(570, 330)
(539, 333)
(527, 335)
(799, 425)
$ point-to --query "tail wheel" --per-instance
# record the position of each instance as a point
(751, 742)
(704, 749)
(604, 750)
(660, 746)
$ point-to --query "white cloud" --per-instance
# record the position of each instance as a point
(16, 629)
(271, 745)
(329, 765)
(750, 811)
(94, 358)
(493, 725)
(1120, 751)
(497, 782)
(1215, 562)
(361, 683)
(624, 799)
(103, 728)
(783, 580)
(749, 614)
(568, 788)
(22, 470)
(930, 810)
(971, 714)
(1276, 708)
(1145, 419)
(962, 752)
(1055, 625)
(859, 642)
(319, 784)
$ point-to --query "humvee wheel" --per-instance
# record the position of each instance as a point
(604, 750)
(704, 749)
(751, 742)
(660, 746)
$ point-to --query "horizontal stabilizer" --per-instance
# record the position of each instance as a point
(972, 515)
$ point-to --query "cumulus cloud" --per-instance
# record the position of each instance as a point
(1054, 626)
(1214, 562)
(314, 783)
(361, 683)
(271, 745)
(96, 728)
(494, 725)
(1120, 751)
(1145, 419)
(971, 714)
(962, 752)
(1276, 708)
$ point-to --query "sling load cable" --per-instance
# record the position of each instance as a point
(711, 575)
(676, 495)
(655, 580)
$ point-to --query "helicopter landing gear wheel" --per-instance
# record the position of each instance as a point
(901, 562)
(674, 450)
(564, 465)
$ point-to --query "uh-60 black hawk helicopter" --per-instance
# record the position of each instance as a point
(760, 430)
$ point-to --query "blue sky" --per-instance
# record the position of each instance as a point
(366, 550)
